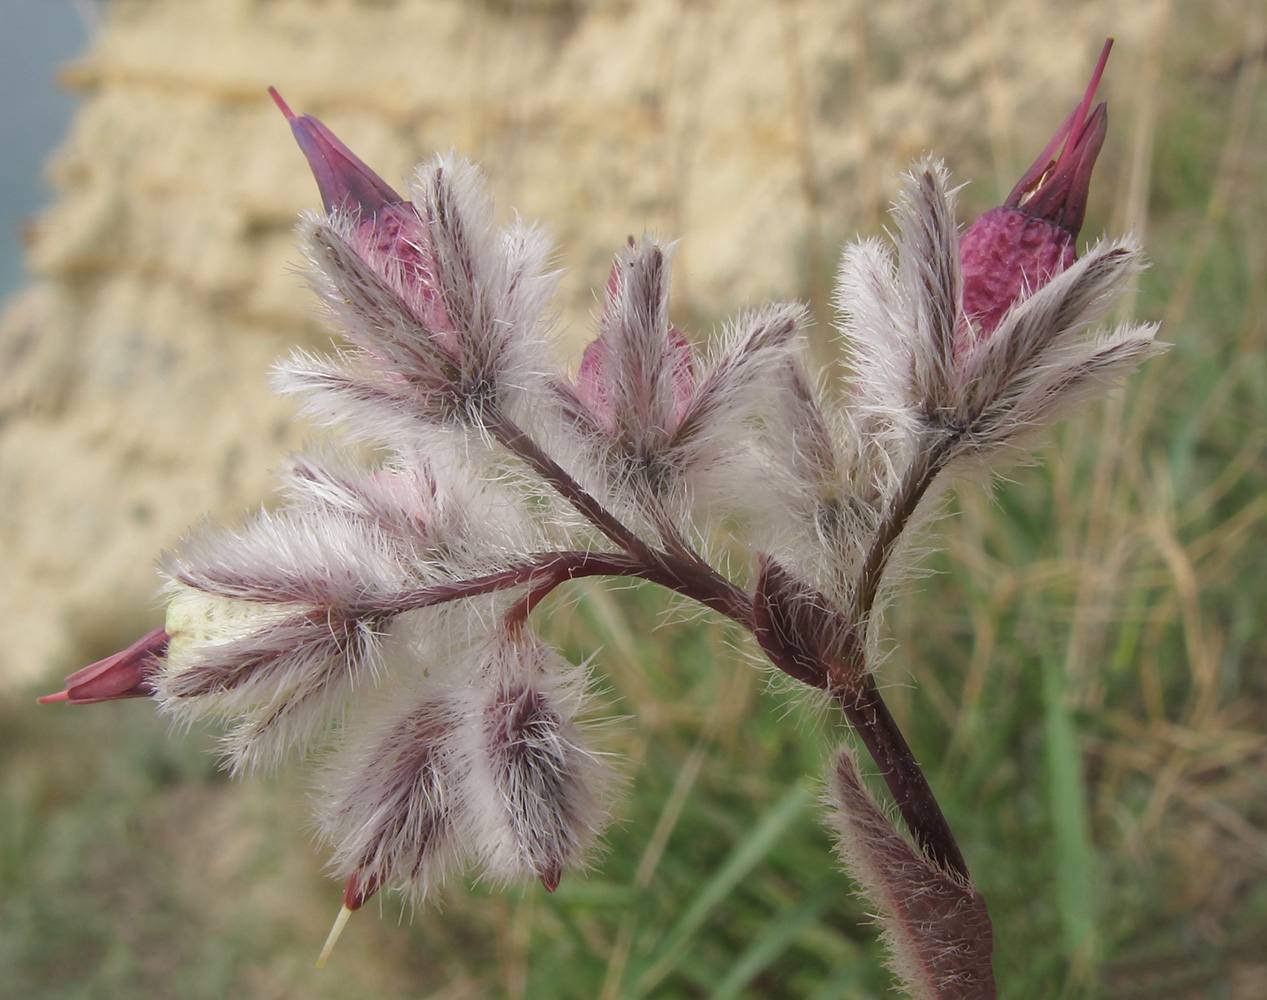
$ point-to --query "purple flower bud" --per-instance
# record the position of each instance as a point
(390, 236)
(1015, 249)
(596, 372)
(934, 921)
(342, 178)
(637, 376)
(390, 811)
(124, 675)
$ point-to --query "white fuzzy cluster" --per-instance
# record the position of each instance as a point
(394, 592)
(664, 433)
(448, 312)
(1040, 362)
(916, 404)
(308, 613)
(483, 762)
(279, 622)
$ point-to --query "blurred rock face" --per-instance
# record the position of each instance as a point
(133, 392)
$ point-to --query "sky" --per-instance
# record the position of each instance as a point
(36, 37)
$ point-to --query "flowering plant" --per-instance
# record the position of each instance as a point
(384, 607)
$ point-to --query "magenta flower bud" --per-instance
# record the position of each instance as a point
(1015, 249)
(387, 232)
(532, 785)
(392, 805)
(934, 921)
(342, 177)
(124, 675)
(598, 370)
(637, 375)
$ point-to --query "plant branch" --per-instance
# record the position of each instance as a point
(544, 572)
(919, 476)
(870, 716)
(860, 700)
(518, 442)
(681, 569)
(550, 568)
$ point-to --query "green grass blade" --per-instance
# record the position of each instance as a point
(746, 855)
(1069, 813)
(778, 935)
(844, 981)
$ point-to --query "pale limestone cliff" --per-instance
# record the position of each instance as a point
(133, 370)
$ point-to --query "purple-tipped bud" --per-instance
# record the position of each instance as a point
(1015, 249)
(342, 177)
(935, 922)
(637, 375)
(390, 236)
(594, 379)
(124, 675)
(391, 807)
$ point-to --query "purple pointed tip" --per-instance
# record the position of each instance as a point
(285, 108)
(342, 177)
(1084, 125)
(126, 674)
(357, 890)
(1055, 187)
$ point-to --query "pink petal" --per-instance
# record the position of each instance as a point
(124, 675)
(592, 381)
(1007, 255)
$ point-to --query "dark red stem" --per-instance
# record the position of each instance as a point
(513, 438)
(687, 574)
(869, 715)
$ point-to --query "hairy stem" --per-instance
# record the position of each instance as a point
(544, 572)
(519, 443)
(550, 568)
(683, 571)
(919, 476)
(861, 701)
(869, 715)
